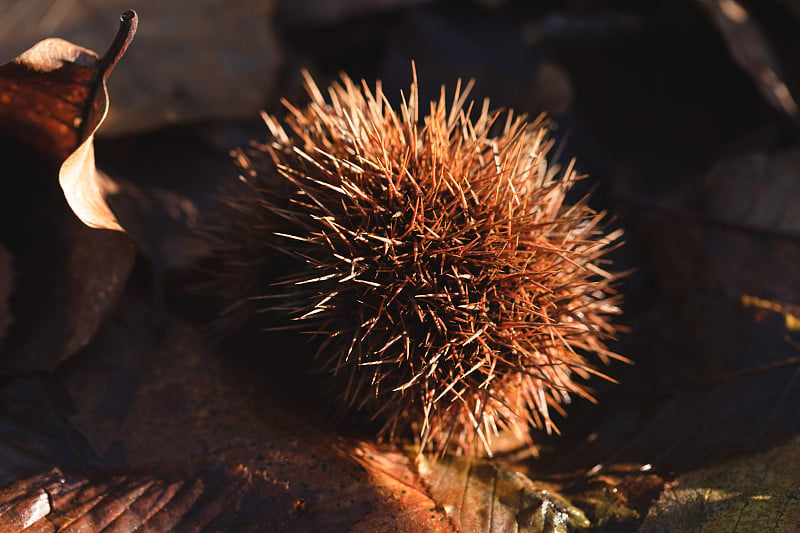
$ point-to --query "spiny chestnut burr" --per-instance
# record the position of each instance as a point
(453, 291)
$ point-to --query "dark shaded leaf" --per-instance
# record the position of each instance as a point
(717, 352)
(169, 181)
(760, 193)
(34, 433)
(715, 382)
(751, 49)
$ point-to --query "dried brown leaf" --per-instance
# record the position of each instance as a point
(52, 99)
(55, 92)
(482, 497)
(741, 235)
(169, 499)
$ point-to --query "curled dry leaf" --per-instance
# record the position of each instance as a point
(52, 99)
(86, 187)
(482, 497)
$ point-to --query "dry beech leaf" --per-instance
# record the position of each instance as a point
(157, 432)
(756, 493)
(52, 99)
(482, 497)
(57, 92)
(750, 48)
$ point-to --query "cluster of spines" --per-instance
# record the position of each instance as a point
(453, 290)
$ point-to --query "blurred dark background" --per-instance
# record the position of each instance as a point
(682, 112)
